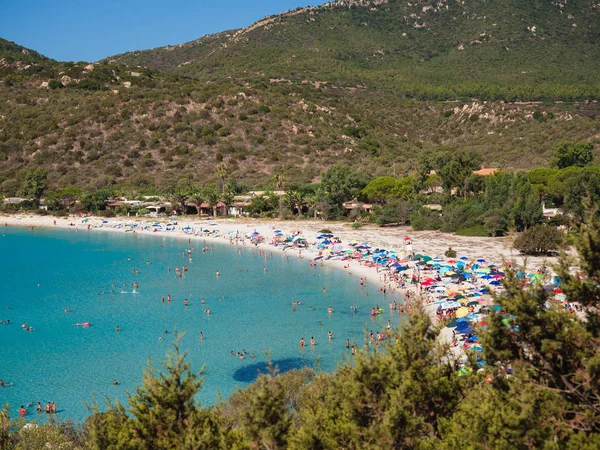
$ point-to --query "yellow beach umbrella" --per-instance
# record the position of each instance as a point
(462, 312)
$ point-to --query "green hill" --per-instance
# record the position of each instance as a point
(298, 92)
(9, 51)
(501, 49)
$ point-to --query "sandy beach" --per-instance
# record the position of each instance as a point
(224, 230)
(432, 243)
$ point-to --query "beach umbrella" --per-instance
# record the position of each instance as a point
(462, 312)
(448, 305)
(451, 261)
(452, 323)
(481, 260)
(426, 259)
(464, 258)
(463, 328)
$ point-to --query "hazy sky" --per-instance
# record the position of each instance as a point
(89, 30)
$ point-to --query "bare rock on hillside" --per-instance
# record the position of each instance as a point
(65, 79)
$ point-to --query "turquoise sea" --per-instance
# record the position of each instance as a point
(44, 272)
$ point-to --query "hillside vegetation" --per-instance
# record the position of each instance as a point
(494, 50)
(295, 93)
(98, 132)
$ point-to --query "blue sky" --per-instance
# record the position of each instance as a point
(89, 30)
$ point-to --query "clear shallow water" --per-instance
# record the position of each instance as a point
(69, 364)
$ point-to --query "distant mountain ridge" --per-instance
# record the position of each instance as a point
(496, 50)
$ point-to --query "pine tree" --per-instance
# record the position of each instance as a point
(266, 421)
(164, 406)
(559, 350)
(392, 399)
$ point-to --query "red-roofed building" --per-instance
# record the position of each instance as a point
(484, 172)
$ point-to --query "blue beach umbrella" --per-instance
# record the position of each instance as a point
(463, 328)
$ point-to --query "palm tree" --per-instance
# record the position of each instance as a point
(180, 197)
(222, 171)
(212, 198)
(197, 196)
(227, 198)
(279, 180)
(296, 201)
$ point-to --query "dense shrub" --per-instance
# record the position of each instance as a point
(539, 239)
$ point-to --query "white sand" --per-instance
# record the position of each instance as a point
(432, 243)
